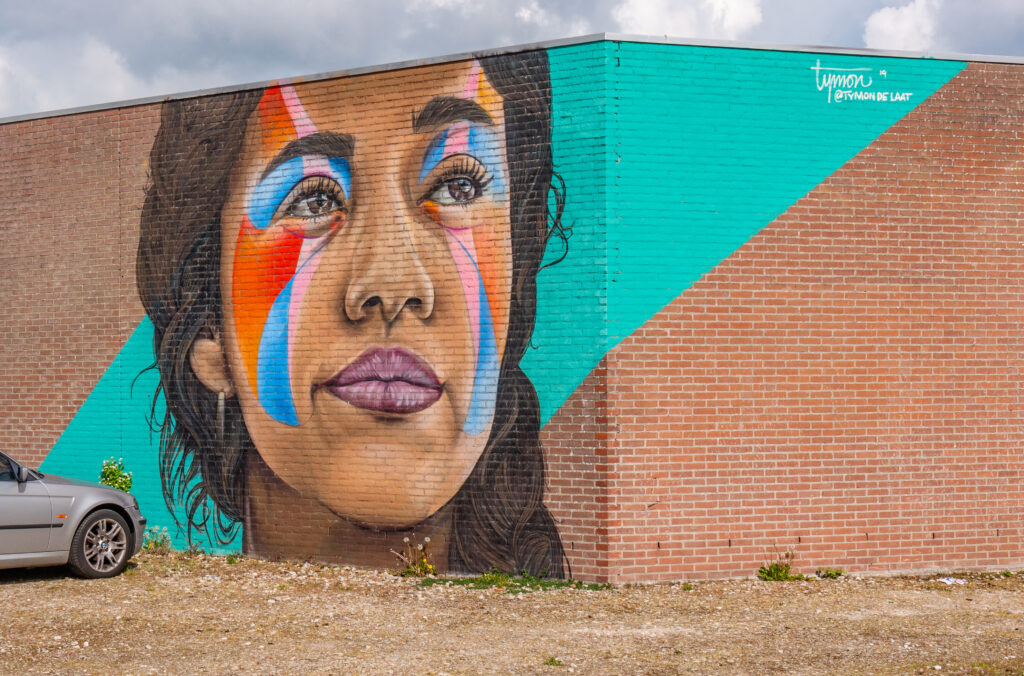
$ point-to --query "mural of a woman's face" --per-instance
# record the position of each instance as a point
(365, 274)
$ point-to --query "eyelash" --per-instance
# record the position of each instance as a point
(460, 166)
(313, 225)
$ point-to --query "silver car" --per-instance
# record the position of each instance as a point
(48, 520)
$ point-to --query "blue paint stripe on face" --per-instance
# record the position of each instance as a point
(485, 381)
(484, 146)
(341, 173)
(434, 154)
(272, 190)
(273, 381)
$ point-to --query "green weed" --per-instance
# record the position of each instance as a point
(156, 540)
(779, 570)
(513, 584)
(416, 561)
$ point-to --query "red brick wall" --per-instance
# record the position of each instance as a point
(847, 385)
(576, 448)
(68, 295)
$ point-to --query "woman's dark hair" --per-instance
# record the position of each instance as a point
(498, 518)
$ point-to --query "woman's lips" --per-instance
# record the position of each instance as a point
(389, 380)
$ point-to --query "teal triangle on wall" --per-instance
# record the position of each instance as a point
(695, 150)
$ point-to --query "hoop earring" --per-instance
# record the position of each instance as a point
(220, 422)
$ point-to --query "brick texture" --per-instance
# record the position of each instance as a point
(845, 386)
(73, 186)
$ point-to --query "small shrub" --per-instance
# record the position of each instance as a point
(416, 559)
(553, 662)
(687, 586)
(779, 569)
(156, 540)
(829, 573)
(1006, 573)
(232, 559)
(114, 475)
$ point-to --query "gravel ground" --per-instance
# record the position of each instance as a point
(174, 613)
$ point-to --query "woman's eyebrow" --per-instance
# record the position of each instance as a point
(321, 143)
(441, 110)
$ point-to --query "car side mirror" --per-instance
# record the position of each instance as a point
(21, 474)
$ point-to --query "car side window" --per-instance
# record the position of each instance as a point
(6, 471)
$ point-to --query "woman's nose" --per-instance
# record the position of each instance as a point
(388, 272)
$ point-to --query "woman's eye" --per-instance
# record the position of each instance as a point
(313, 205)
(313, 208)
(462, 181)
(461, 189)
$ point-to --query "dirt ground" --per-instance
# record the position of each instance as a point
(174, 613)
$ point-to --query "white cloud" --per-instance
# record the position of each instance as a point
(532, 13)
(910, 27)
(32, 82)
(723, 19)
(438, 4)
(539, 17)
(37, 75)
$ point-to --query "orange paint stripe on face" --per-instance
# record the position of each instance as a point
(489, 99)
(264, 263)
(432, 210)
(275, 122)
(487, 263)
(483, 238)
(261, 267)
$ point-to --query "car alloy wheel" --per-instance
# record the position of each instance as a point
(100, 547)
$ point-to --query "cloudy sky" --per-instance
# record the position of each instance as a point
(60, 54)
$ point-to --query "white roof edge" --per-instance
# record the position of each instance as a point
(546, 44)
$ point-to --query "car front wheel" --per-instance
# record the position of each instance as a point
(100, 545)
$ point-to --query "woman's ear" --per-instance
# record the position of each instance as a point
(210, 366)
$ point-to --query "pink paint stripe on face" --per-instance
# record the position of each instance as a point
(309, 260)
(457, 141)
(466, 265)
(303, 125)
(316, 165)
(469, 91)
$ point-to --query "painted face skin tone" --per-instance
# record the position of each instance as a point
(366, 270)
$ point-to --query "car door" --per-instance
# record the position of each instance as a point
(25, 515)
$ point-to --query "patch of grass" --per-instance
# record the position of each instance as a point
(687, 586)
(232, 559)
(512, 584)
(553, 662)
(830, 573)
(780, 569)
(1006, 573)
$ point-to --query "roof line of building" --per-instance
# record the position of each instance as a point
(546, 44)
